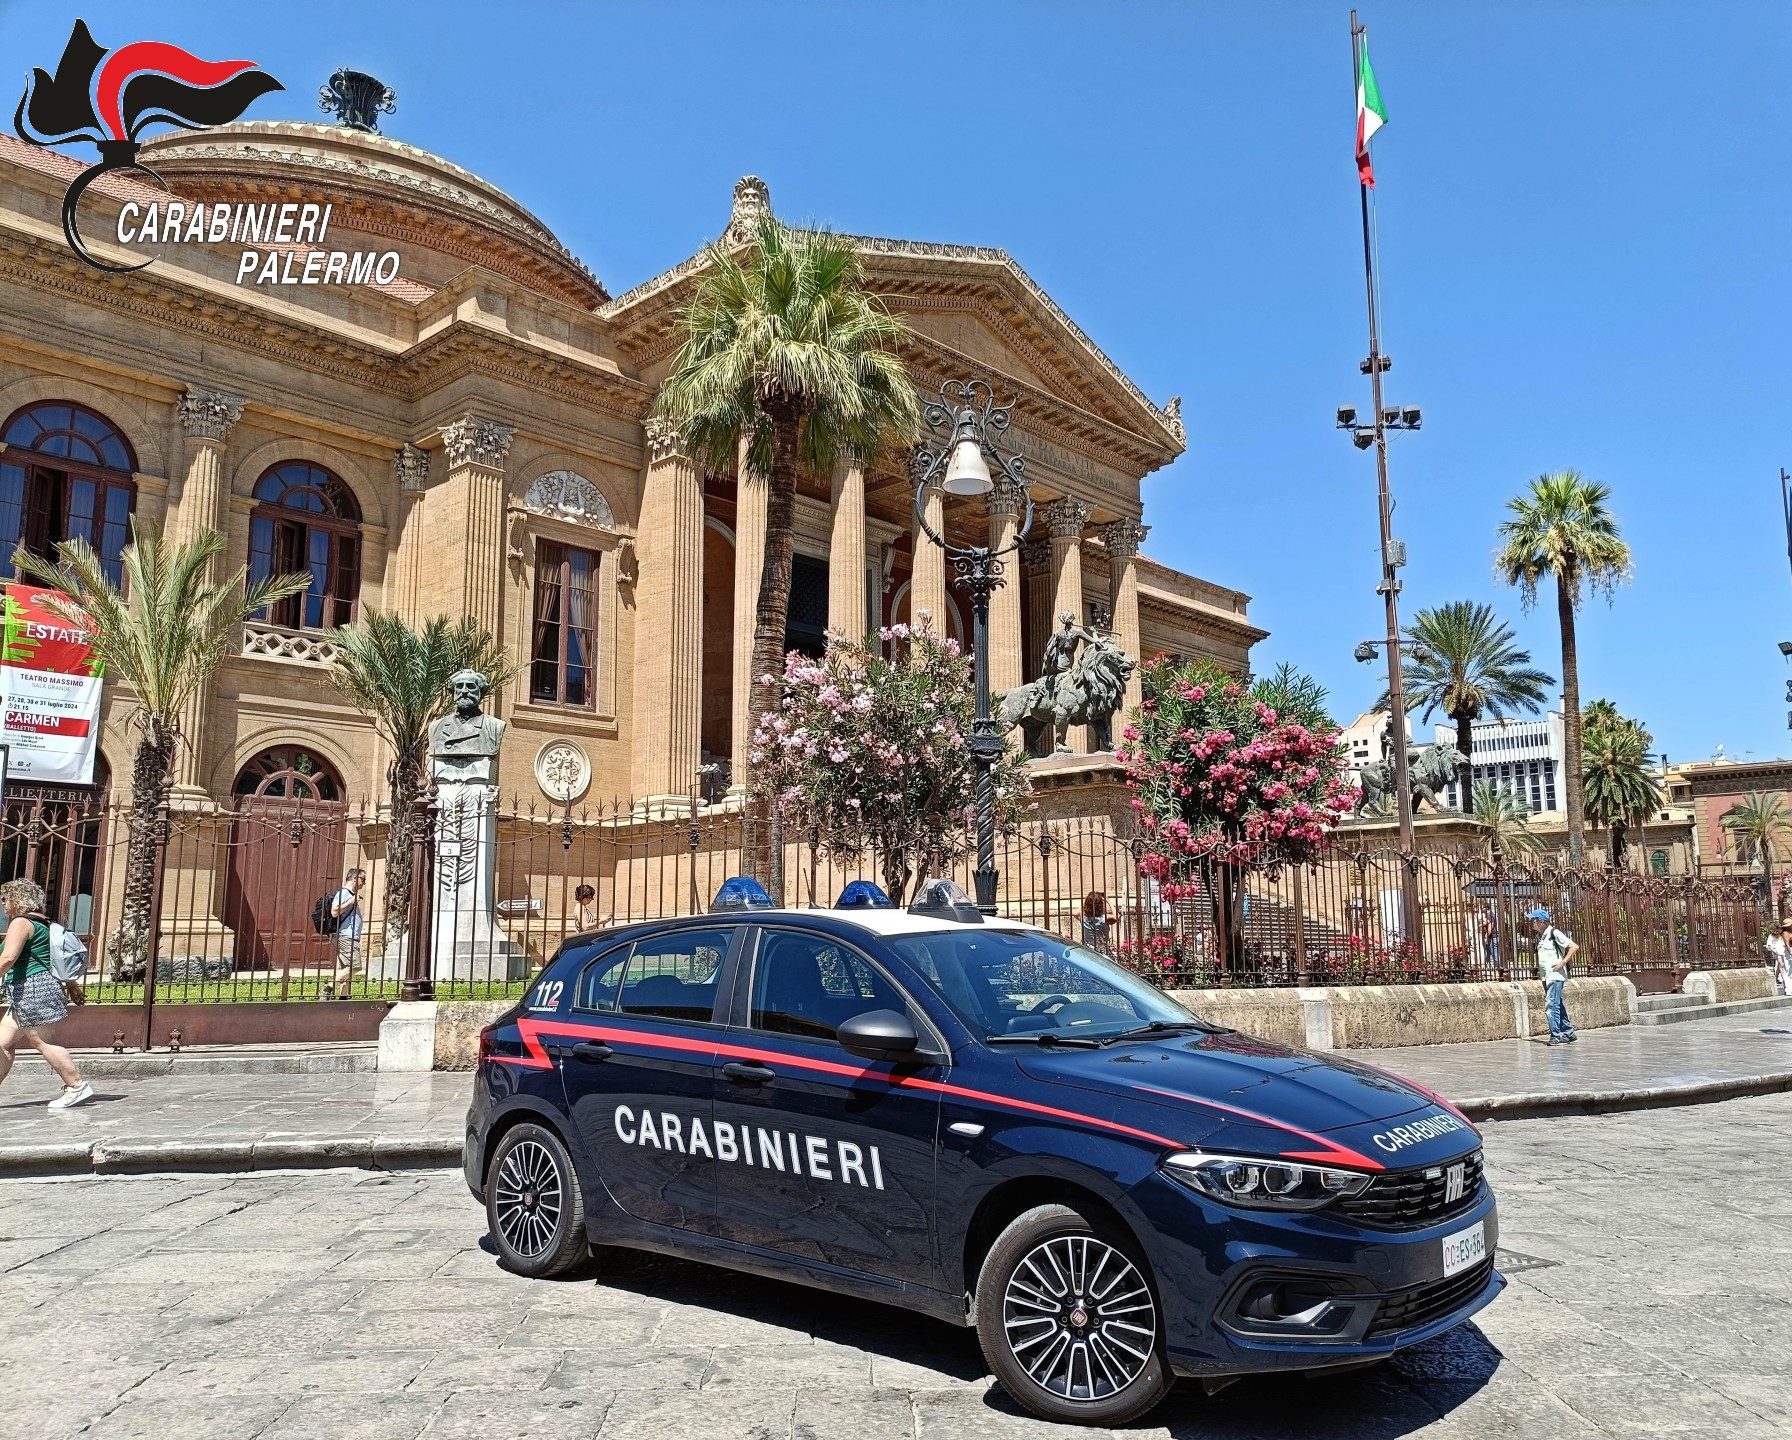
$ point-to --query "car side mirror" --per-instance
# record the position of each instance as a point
(879, 1035)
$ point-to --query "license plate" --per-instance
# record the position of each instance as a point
(1464, 1249)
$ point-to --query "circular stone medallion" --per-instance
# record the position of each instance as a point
(562, 770)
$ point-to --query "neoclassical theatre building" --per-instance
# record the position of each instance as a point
(472, 436)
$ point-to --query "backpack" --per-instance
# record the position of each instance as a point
(68, 956)
(323, 918)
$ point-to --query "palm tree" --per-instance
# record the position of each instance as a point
(1560, 527)
(398, 677)
(1759, 823)
(1465, 661)
(1506, 819)
(786, 354)
(1619, 789)
(163, 632)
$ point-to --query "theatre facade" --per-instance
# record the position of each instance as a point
(469, 433)
(472, 436)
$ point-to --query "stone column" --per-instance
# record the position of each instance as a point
(749, 561)
(203, 503)
(462, 570)
(1123, 538)
(846, 552)
(668, 622)
(1064, 520)
(1036, 564)
(410, 468)
(1003, 505)
(927, 575)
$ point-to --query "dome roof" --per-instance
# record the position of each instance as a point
(378, 186)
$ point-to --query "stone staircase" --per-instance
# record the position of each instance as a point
(1672, 1009)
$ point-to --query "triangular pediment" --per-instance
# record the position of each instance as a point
(966, 304)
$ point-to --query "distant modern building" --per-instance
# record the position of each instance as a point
(1522, 757)
(1360, 740)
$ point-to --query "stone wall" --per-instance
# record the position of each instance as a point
(1753, 982)
(1317, 1017)
(1356, 1017)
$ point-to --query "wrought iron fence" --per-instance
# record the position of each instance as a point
(227, 911)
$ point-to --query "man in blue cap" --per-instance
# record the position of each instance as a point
(1554, 952)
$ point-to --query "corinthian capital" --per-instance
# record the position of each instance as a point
(1123, 538)
(411, 466)
(663, 441)
(209, 414)
(1064, 519)
(472, 441)
(1004, 498)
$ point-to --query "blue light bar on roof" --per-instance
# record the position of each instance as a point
(863, 895)
(740, 892)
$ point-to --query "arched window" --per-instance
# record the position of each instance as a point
(307, 519)
(65, 474)
(289, 772)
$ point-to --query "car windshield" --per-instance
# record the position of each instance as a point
(1019, 985)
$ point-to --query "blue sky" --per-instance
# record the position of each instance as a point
(1583, 221)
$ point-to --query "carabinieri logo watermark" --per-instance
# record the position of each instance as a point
(109, 98)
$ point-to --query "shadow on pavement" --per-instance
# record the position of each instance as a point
(1413, 1389)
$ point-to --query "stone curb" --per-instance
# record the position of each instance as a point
(411, 1152)
(164, 1157)
(1597, 1102)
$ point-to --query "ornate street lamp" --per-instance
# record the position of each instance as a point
(963, 426)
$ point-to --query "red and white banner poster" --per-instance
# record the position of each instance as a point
(50, 690)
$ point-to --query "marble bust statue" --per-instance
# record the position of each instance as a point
(463, 745)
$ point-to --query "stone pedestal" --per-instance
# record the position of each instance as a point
(466, 941)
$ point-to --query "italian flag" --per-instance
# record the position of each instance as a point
(1370, 115)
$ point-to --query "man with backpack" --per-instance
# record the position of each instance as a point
(339, 916)
(1555, 951)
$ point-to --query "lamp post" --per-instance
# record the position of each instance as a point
(963, 426)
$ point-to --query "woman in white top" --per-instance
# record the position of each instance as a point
(1779, 957)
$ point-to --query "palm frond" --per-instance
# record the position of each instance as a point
(169, 626)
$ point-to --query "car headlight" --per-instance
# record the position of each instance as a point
(1259, 1184)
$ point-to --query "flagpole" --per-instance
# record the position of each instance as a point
(1390, 579)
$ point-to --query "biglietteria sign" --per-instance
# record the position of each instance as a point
(50, 691)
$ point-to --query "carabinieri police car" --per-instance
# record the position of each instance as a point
(975, 1119)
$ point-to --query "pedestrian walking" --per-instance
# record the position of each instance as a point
(1490, 937)
(1095, 920)
(1779, 957)
(1555, 952)
(345, 910)
(35, 997)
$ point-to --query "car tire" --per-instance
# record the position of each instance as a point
(1041, 1297)
(533, 1204)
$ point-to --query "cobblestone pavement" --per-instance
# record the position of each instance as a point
(209, 1108)
(1624, 1057)
(1650, 1254)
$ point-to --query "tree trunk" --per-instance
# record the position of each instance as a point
(1773, 906)
(764, 858)
(894, 866)
(1465, 773)
(150, 770)
(405, 782)
(1571, 724)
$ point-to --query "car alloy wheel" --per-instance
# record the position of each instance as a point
(1068, 1318)
(1079, 1318)
(529, 1200)
(533, 1203)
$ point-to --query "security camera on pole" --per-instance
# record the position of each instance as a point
(1370, 116)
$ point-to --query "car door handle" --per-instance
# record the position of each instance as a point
(749, 1074)
(591, 1051)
